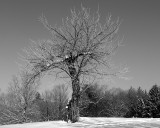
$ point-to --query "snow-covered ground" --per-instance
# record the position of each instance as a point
(94, 123)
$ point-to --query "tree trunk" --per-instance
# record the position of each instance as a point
(73, 114)
(73, 106)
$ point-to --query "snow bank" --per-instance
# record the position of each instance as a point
(86, 122)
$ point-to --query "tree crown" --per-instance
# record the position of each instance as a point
(81, 42)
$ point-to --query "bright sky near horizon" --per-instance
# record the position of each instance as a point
(140, 27)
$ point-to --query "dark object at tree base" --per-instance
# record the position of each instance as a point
(72, 111)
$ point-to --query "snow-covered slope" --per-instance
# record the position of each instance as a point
(94, 123)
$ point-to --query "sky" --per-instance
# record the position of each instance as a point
(140, 28)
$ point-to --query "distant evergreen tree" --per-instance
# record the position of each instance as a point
(139, 103)
(154, 94)
(132, 101)
(143, 103)
(154, 98)
(148, 105)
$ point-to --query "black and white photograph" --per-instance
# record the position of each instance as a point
(79, 63)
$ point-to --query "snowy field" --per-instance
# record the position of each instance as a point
(94, 123)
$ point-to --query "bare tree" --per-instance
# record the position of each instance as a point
(81, 47)
(21, 94)
(58, 97)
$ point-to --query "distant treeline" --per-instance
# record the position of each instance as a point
(116, 102)
(96, 101)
